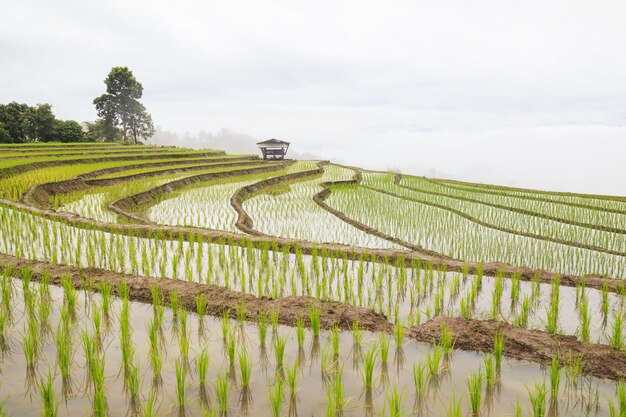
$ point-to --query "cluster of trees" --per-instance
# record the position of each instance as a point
(21, 123)
(122, 117)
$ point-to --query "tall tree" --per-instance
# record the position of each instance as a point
(120, 105)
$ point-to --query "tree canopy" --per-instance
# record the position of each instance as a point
(20, 123)
(120, 107)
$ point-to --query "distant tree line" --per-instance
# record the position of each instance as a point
(122, 117)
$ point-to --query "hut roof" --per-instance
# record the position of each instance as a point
(271, 143)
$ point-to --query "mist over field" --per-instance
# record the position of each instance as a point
(529, 94)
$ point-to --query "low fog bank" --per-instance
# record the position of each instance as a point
(224, 139)
(589, 159)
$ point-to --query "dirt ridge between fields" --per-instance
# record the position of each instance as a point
(470, 334)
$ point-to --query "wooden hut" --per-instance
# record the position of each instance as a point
(273, 148)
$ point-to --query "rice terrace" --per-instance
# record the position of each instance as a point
(144, 280)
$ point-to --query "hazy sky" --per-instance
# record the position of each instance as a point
(518, 92)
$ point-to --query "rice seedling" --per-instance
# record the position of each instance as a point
(604, 301)
(420, 378)
(279, 351)
(357, 334)
(225, 322)
(498, 346)
(334, 340)
(383, 347)
(446, 340)
(276, 397)
(292, 378)
(245, 367)
(274, 319)
(262, 323)
(338, 389)
(181, 375)
(300, 332)
(398, 334)
(49, 404)
(231, 348)
(521, 320)
(132, 384)
(314, 318)
(395, 402)
(433, 359)
(221, 386)
(555, 376)
(368, 372)
(537, 395)
(475, 387)
(30, 344)
(149, 409)
(64, 344)
(202, 364)
(490, 370)
(454, 409)
(585, 319)
(99, 403)
(573, 368)
(617, 339)
(105, 292)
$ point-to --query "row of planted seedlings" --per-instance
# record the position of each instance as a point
(93, 203)
(445, 232)
(208, 205)
(13, 187)
(506, 219)
(69, 352)
(409, 295)
(610, 203)
(563, 211)
(288, 210)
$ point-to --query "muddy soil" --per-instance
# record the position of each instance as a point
(531, 345)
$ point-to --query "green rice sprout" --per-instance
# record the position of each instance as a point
(617, 338)
(573, 368)
(300, 332)
(279, 351)
(262, 323)
(433, 359)
(498, 346)
(521, 320)
(334, 340)
(475, 386)
(49, 403)
(383, 347)
(221, 386)
(202, 364)
(292, 378)
(357, 333)
(585, 319)
(368, 371)
(314, 318)
(149, 409)
(537, 395)
(225, 325)
(395, 402)
(398, 334)
(555, 376)
(245, 367)
(181, 375)
(490, 370)
(420, 378)
(446, 340)
(454, 409)
(276, 397)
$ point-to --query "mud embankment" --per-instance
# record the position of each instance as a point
(532, 345)
(472, 335)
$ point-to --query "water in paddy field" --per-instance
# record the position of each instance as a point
(316, 366)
